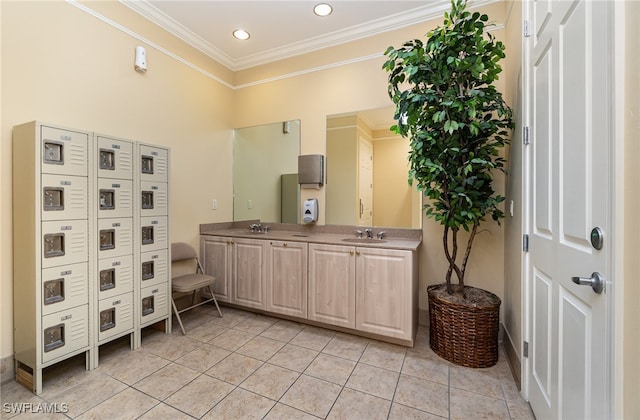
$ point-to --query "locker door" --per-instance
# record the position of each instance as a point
(64, 288)
(154, 233)
(154, 304)
(115, 276)
(64, 332)
(64, 242)
(115, 316)
(154, 267)
(153, 199)
(64, 151)
(115, 198)
(64, 197)
(115, 158)
(154, 163)
(115, 237)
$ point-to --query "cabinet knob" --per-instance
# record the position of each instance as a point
(357, 252)
(285, 244)
(350, 252)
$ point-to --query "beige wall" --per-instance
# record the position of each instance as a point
(64, 66)
(71, 68)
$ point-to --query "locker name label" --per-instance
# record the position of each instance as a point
(65, 182)
(115, 185)
(115, 263)
(66, 227)
(66, 273)
(64, 318)
(115, 224)
(116, 302)
(115, 146)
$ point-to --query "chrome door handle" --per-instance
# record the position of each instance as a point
(596, 281)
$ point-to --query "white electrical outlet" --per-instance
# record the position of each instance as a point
(511, 208)
(249, 204)
(214, 204)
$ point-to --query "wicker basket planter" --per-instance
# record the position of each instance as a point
(464, 334)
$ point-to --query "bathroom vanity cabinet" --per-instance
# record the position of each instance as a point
(367, 290)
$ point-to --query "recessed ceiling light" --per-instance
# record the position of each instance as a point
(241, 34)
(323, 9)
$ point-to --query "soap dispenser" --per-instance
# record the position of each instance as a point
(310, 210)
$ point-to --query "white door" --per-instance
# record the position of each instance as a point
(365, 182)
(570, 188)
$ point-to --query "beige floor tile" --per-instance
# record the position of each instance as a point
(203, 358)
(170, 346)
(284, 412)
(465, 405)
(520, 410)
(402, 412)
(234, 369)
(311, 395)
(166, 381)
(230, 317)
(240, 404)
(206, 332)
(436, 370)
(367, 406)
(375, 381)
(261, 348)
(479, 381)
(313, 338)
(383, 355)
(18, 399)
(133, 366)
(270, 381)
(163, 411)
(293, 357)
(200, 395)
(347, 346)
(283, 331)
(128, 404)
(64, 375)
(331, 368)
(255, 325)
(90, 393)
(423, 395)
(232, 339)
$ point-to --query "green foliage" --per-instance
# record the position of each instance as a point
(456, 120)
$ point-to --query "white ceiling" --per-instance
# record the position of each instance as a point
(279, 29)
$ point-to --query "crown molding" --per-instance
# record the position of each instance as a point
(400, 20)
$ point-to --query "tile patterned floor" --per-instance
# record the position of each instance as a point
(246, 366)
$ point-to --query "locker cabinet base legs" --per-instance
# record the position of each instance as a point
(32, 378)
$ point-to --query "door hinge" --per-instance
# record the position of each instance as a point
(527, 29)
(525, 349)
(525, 242)
(525, 135)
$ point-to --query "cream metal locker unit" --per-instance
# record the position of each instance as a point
(153, 240)
(115, 239)
(52, 245)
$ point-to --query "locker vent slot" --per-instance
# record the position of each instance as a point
(107, 239)
(107, 199)
(147, 270)
(147, 164)
(147, 200)
(53, 199)
(107, 160)
(53, 337)
(107, 319)
(147, 235)
(53, 291)
(53, 153)
(147, 306)
(53, 245)
(107, 279)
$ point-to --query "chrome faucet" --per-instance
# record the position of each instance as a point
(381, 234)
(369, 233)
(255, 227)
(358, 233)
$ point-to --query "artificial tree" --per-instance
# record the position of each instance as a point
(458, 124)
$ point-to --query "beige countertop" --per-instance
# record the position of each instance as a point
(405, 239)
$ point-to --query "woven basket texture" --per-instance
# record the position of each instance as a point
(463, 334)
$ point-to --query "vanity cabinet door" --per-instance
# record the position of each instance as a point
(249, 272)
(215, 255)
(287, 278)
(384, 292)
(332, 274)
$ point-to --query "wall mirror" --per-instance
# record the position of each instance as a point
(265, 166)
(367, 171)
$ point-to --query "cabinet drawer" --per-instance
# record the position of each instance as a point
(154, 163)
(64, 151)
(115, 158)
(64, 287)
(64, 242)
(154, 267)
(154, 199)
(64, 332)
(64, 197)
(115, 237)
(115, 198)
(154, 304)
(154, 233)
(115, 316)
(115, 276)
